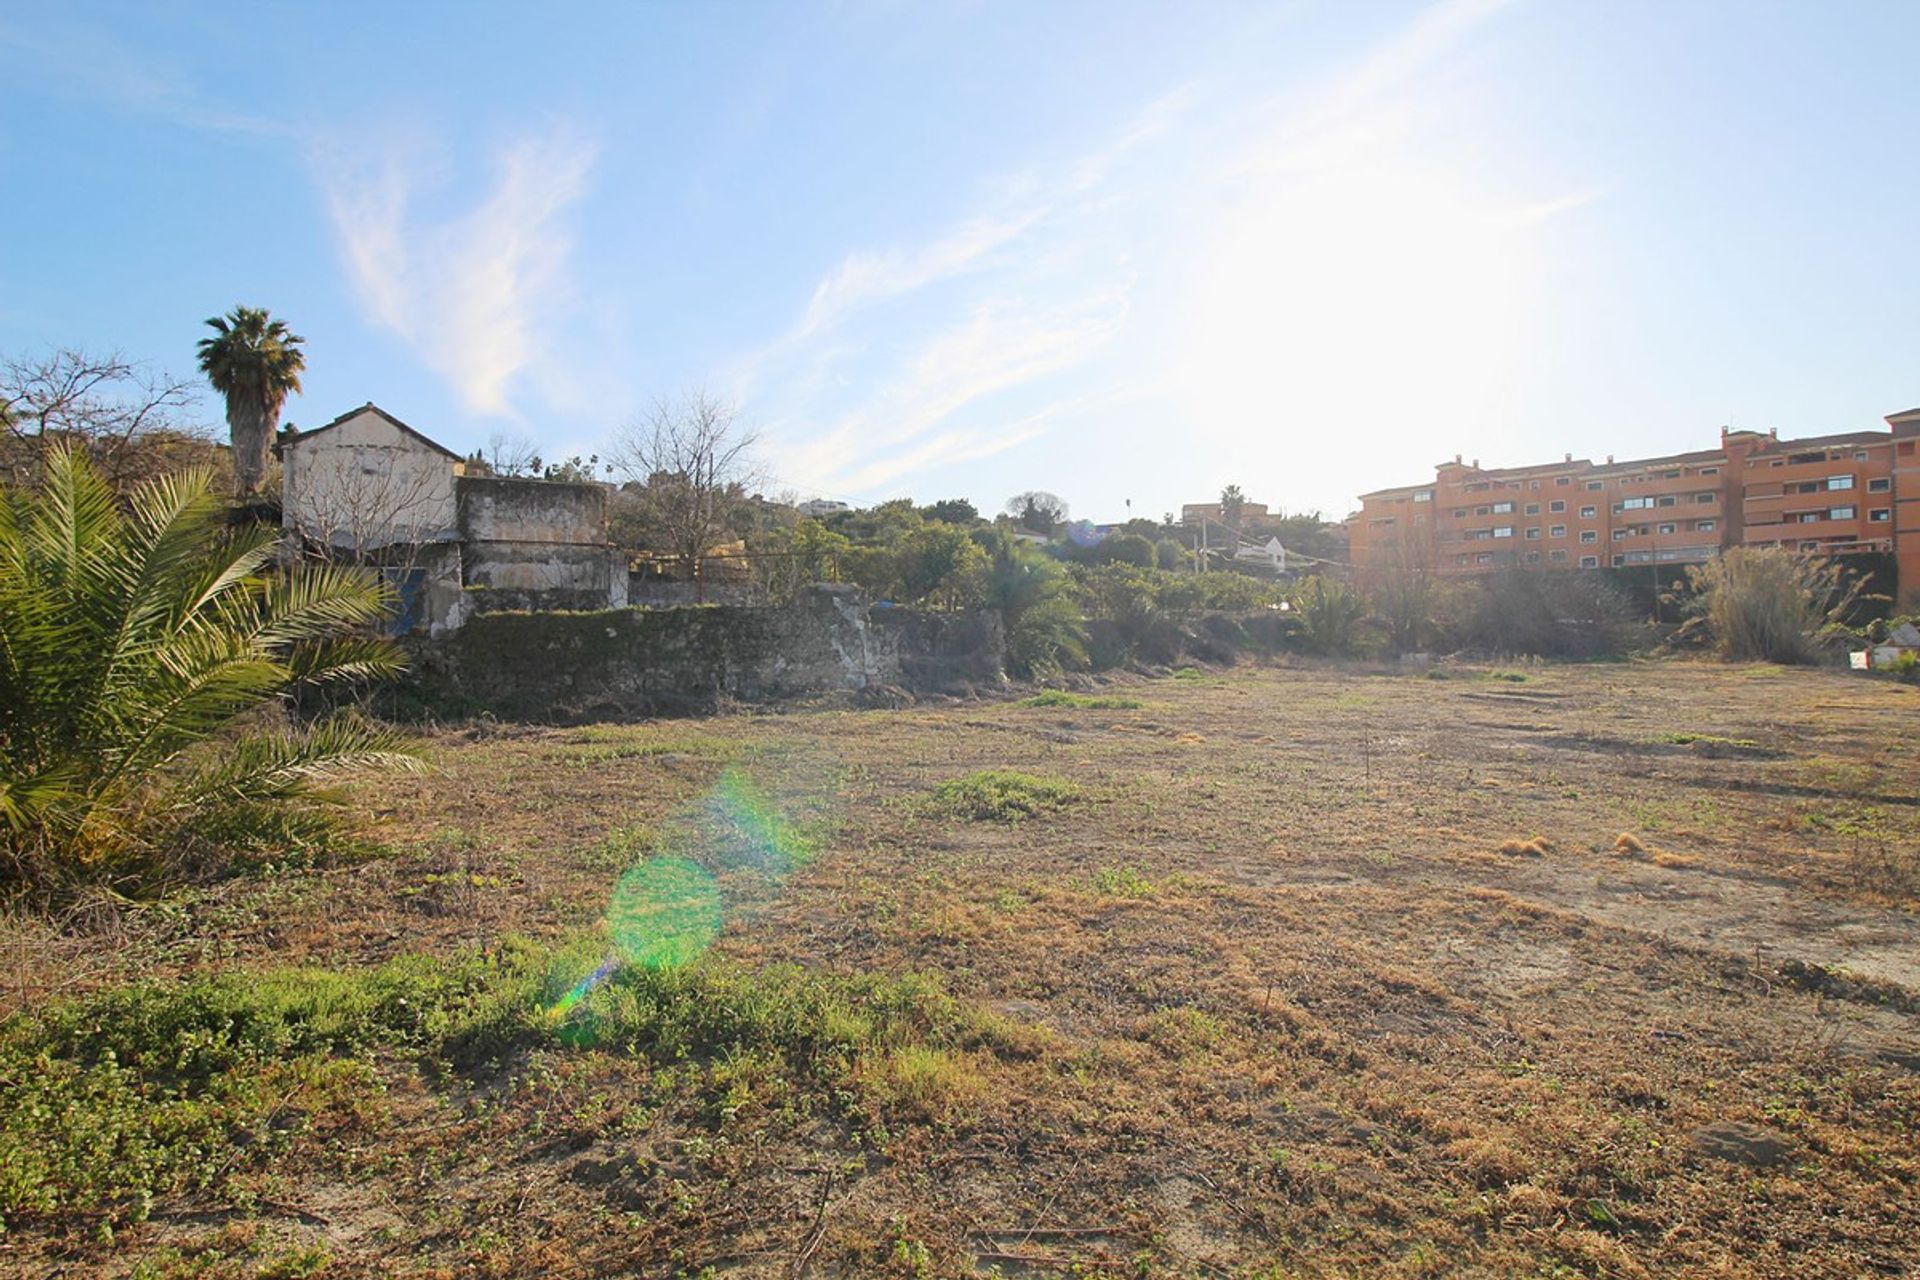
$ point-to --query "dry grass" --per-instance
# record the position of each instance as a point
(1271, 1005)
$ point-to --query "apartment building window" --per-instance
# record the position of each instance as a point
(1534, 532)
(1588, 513)
(1563, 479)
(1533, 557)
(1859, 455)
(1667, 501)
(1557, 531)
(1502, 508)
(1459, 559)
(1423, 495)
(1485, 557)
(1618, 560)
(1533, 508)
(1705, 526)
(1810, 517)
(1840, 513)
(1556, 506)
(1459, 513)
(1619, 535)
(1558, 557)
(1879, 515)
(1589, 562)
(1706, 498)
(1634, 504)
(1588, 535)
(1880, 485)
(1839, 482)
(1504, 531)
(1483, 511)
(1594, 486)
(1669, 528)
(1709, 471)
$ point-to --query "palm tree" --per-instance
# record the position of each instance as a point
(138, 645)
(254, 362)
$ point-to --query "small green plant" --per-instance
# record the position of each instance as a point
(1002, 795)
(1082, 701)
(1683, 739)
(1123, 881)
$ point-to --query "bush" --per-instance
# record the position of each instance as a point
(1002, 795)
(1033, 594)
(136, 646)
(1769, 604)
(1170, 556)
(1329, 613)
(1127, 548)
(1548, 613)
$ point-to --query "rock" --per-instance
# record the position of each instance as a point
(1737, 1143)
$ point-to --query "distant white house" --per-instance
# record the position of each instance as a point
(821, 508)
(1269, 553)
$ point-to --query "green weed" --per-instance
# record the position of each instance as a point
(1002, 795)
(1082, 701)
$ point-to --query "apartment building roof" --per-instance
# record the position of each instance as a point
(1666, 460)
(1845, 437)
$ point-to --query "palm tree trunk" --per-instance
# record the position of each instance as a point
(251, 427)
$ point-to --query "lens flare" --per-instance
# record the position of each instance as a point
(666, 910)
(749, 830)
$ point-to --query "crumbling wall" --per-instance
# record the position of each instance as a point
(626, 662)
(538, 535)
(512, 509)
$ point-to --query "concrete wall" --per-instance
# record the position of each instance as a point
(627, 662)
(539, 536)
(509, 509)
(364, 484)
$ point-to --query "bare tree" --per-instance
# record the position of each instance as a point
(690, 465)
(1403, 584)
(133, 421)
(512, 455)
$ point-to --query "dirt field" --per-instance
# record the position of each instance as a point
(1311, 973)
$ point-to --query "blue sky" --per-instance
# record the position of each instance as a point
(1119, 251)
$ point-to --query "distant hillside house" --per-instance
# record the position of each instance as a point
(821, 508)
(1195, 512)
(370, 488)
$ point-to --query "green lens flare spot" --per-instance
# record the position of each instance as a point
(664, 913)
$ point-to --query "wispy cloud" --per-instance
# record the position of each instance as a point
(469, 292)
(1002, 299)
(90, 61)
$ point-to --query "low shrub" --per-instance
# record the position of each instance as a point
(1082, 701)
(111, 1102)
(1002, 795)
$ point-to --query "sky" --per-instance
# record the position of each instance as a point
(1125, 252)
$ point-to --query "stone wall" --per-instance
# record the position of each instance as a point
(625, 662)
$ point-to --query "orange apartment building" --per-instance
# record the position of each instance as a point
(1858, 491)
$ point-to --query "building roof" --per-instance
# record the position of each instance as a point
(1845, 437)
(371, 407)
(1666, 460)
